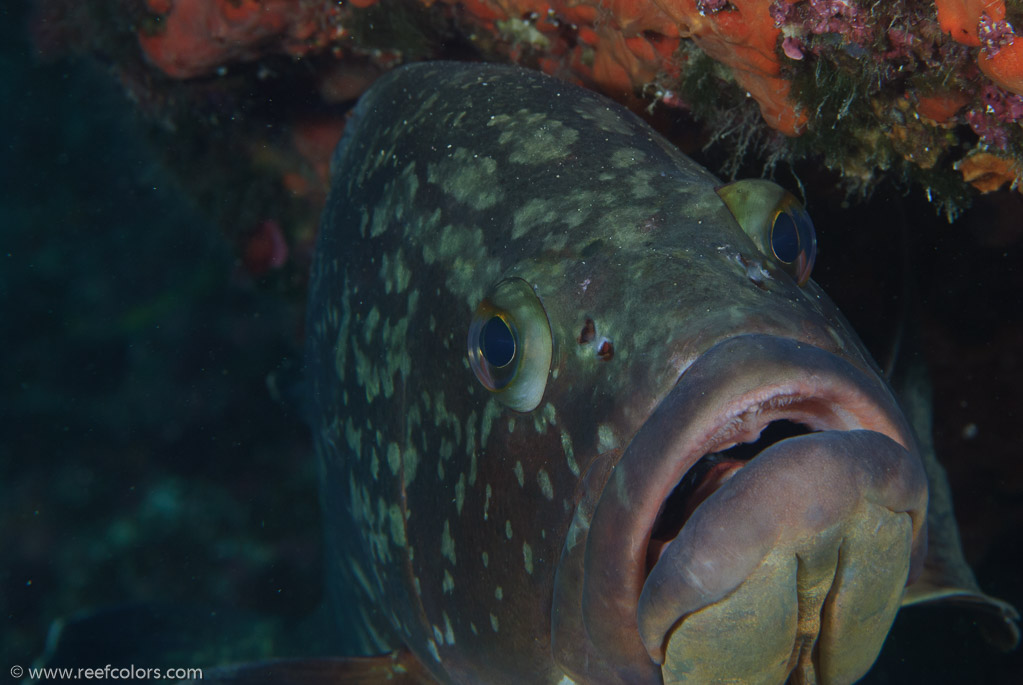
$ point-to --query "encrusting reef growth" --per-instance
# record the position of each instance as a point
(927, 94)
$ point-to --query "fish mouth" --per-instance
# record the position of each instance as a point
(762, 523)
(728, 454)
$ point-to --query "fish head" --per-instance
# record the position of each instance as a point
(583, 415)
(662, 361)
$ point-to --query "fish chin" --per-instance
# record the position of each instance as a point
(704, 561)
(797, 563)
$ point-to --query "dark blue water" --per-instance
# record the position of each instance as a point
(142, 458)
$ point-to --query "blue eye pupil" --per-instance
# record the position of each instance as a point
(785, 238)
(497, 342)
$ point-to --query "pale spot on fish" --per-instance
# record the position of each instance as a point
(468, 178)
(549, 413)
(498, 593)
(447, 544)
(372, 319)
(363, 221)
(353, 436)
(448, 583)
(460, 493)
(374, 463)
(527, 557)
(519, 474)
(606, 438)
(413, 300)
(545, 418)
(544, 481)
(608, 120)
(394, 274)
(449, 633)
(625, 158)
(534, 213)
(494, 624)
(411, 463)
(447, 448)
(378, 225)
(508, 529)
(490, 412)
(431, 646)
(566, 445)
(486, 560)
(640, 183)
(555, 242)
(393, 458)
(535, 140)
(397, 525)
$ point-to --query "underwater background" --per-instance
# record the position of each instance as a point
(155, 470)
(142, 456)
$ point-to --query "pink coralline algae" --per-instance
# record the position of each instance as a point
(802, 19)
(711, 6)
(818, 17)
(994, 35)
(791, 47)
(901, 43)
(1000, 109)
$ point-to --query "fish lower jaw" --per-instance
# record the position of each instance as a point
(798, 558)
(746, 502)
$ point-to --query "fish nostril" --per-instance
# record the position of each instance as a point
(588, 333)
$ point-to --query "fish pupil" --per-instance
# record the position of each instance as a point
(785, 238)
(497, 342)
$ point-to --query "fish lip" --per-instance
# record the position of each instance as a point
(728, 393)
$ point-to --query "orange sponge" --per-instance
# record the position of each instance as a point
(940, 107)
(1005, 67)
(197, 36)
(960, 18)
(743, 36)
(987, 172)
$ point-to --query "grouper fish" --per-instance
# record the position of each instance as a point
(583, 416)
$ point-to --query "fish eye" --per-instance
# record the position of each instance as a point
(776, 222)
(793, 239)
(785, 238)
(497, 342)
(510, 346)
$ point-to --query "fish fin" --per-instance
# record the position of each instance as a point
(946, 577)
(400, 667)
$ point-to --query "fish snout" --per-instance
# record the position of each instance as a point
(761, 525)
(796, 565)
